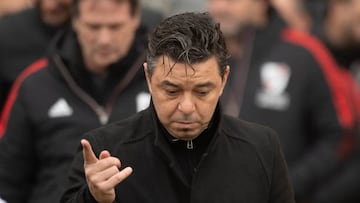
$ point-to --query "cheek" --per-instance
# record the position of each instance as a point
(85, 44)
(121, 43)
(165, 110)
(205, 109)
(85, 36)
(125, 39)
(356, 29)
(166, 105)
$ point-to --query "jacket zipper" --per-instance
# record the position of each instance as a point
(102, 115)
(190, 144)
(203, 157)
(125, 81)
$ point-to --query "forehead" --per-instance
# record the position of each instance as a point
(98, 10)
(167, 69)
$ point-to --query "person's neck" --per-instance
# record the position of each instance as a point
(99, 71)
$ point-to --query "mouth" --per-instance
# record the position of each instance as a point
(185, 124)
(104, 52)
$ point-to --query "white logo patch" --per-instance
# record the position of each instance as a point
(142, 101)
(60, 109)
(2, 201)
(274, 80)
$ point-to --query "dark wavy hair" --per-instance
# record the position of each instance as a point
(187, 38)
(134, 6)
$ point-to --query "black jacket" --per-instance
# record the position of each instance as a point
(52, 104)
(24, 38)
(242, 163)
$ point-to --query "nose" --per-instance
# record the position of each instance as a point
(104, 36)
(187, 105)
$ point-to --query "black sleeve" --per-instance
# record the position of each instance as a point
(77, 190)
(17, 153)
(325, 135)
(281, 188)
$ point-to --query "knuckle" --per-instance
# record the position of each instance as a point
(115, 161)
(88, 172)
(92, 179)
(115, 169)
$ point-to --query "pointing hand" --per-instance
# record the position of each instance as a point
(103, 174)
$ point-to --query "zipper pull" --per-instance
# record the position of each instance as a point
(190, 144)
(104, 119)
(103, 116)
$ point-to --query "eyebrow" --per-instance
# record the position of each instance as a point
(168, 83)
(201, 85)
(206, 84)
(118, 24)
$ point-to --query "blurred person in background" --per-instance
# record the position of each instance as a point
(171, 7)
(91, 75)
(294, 86)
(179, 6)
(25, 35)
(340, 40)
(294, 13)
(250, 33)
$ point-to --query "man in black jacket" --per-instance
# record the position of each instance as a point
(91, 76)
(182, 148)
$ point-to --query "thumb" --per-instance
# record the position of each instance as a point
(88, 153)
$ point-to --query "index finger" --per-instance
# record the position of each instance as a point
(88, 153)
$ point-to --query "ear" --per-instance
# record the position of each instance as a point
(148, 77)
(225, 78)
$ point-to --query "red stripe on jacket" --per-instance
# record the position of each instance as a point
(340, 82)
(36, 66)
